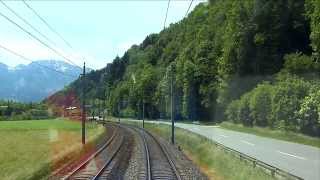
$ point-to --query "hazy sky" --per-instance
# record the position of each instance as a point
(97, 30)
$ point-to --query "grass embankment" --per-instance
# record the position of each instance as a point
(32, 149)
(213, 160)
(275, 134)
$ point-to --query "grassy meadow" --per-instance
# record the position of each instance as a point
(32, 149)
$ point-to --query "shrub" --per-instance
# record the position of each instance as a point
(287, 96)
(244, 110)
(309, 113)
(298, 63)
(232, 111)
(260, 104)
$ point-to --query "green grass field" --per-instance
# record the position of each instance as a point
(214, 162)
(31, 149)
(275, 134)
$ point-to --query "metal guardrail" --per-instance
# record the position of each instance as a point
(273, 170)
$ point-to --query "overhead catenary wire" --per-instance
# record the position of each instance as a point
(47, 24)
(165, 19)
(188, 8)
(39, 40)
(27, 59)
(25, 21)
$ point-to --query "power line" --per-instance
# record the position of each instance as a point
(189, 8)
(39, 40)
(165, 20)
(47, 24)
(25, 58)
(25, 21)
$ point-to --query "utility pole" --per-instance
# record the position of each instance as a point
(105, 117)
(143, 111)
(119, 111)
(83, 105)
(172, 105)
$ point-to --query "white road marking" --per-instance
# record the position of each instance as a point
(246, 142)
(298, 157)
(223, 135)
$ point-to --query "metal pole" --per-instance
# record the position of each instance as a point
(83, 105)
(172, 107)
(143, 112)
(119, 112)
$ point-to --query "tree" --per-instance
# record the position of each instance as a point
(260, 104)
(309, 113)
(313, 12)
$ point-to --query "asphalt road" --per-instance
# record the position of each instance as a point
(300, 160)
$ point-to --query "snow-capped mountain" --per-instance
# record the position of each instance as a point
(35, 81)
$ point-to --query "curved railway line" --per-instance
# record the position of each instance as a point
(154, 162)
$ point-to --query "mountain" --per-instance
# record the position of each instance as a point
(34, 82)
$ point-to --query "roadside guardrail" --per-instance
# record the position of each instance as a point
(275, 172)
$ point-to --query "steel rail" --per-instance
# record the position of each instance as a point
(165, 152)
(146, 150)
(109, 161)
(173, 166)
(75, 170)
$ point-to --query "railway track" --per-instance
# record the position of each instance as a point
(159, 164)
(156, 162)
(96, 166)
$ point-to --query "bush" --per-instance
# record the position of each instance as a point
(309, 113)
(260, 104)
(287, 96)
(244, 110)
(298, 63)
(128, 112)
(232, 111)
(291, 104)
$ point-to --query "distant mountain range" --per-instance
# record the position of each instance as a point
(32, 83)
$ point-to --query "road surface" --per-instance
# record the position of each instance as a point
(300, 160)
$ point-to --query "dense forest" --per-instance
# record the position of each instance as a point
(255, 62)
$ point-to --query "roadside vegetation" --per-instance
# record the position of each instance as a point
(275, 134)
(213, 160)
(33, 149)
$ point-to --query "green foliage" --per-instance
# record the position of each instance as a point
(298, 63)
(232, 111)
(10, 110)
(290, 104)
(313, 12)
(223, 52)
(261, 104)
(244, 110)
(309, 113)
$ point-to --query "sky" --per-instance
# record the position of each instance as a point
(97, 31)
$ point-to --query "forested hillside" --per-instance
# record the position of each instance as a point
(254, 62)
